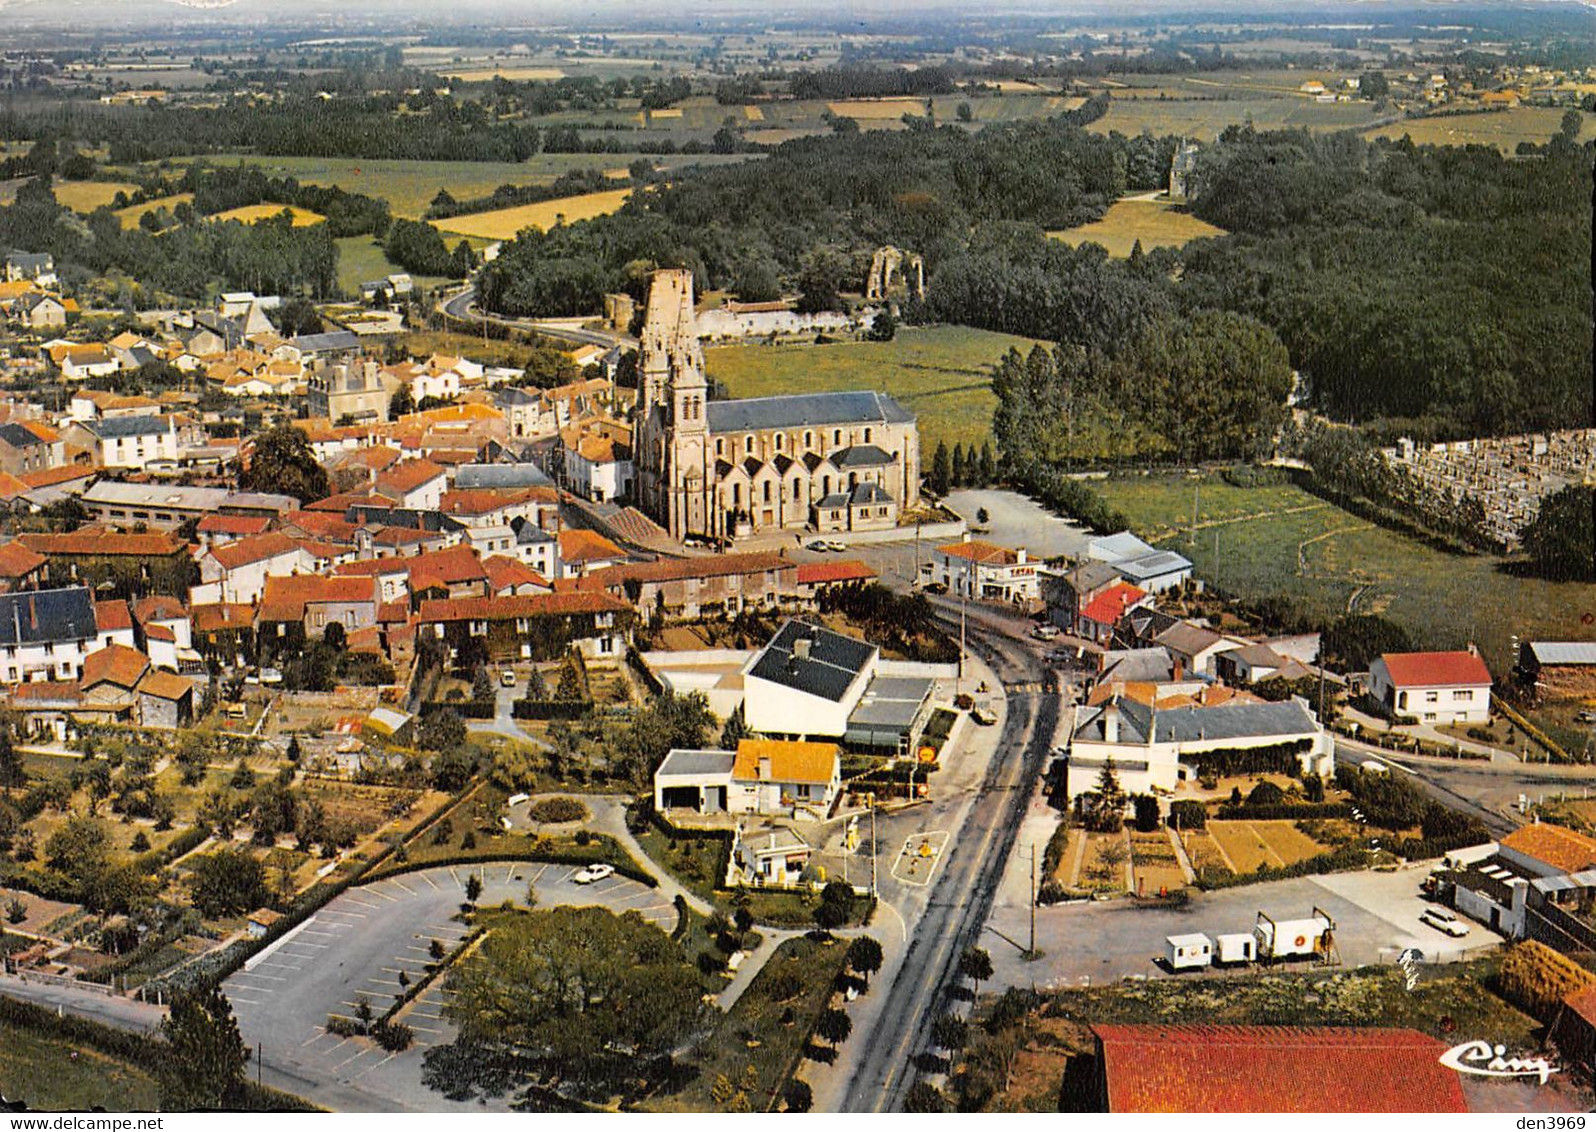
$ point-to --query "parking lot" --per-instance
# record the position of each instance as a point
(370, 942)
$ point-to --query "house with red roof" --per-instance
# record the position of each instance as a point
(416, 484)
(237, 571)
(217, 529)
(690, 588)
(582, 552)
(1275, 1069)
(20, 568)
(1433, 687)
(536, 627)
(510, 577)
(979, 569)
(816, 578)
(302, 607)
(1097, 618)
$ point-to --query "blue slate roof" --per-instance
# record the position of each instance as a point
(43, 616)
(861, 456)
(798, 409)
(18, 437)
(114, 427)
(501, 475)
(833, 663)
(331, 340)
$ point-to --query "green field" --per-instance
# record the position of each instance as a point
(1502, 128)
(409, 186)
(361, 258)
(943, 373)
(52, 1076)
(1204, 118)
(1443, 600)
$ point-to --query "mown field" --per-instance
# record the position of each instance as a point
(1156, 223)
(504, 223)
(361, 258)
(303, 217)
(1443, 600)
(1502, 128)
(129, 216)
(1204, 118)
(86, 196)
(943, 373)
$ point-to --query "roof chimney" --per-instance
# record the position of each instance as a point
(764, 768)
(800, 648)
(1111, 722)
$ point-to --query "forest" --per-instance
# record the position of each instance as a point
(1446, 290)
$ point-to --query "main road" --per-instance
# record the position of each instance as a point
(461, 306)
(962, 896)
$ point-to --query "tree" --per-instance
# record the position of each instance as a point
(580, 985)
(961, 474)
(949, 1031)
(441, 730)
(334, 636)
(975, 964)
(735, 731)
(1561, 539)
(884, 327)
(1146, 807)
(865, 956)
(1107, 804)
(988, 465)
(941, 470)
(923, 1096)
(1353, 641)
(298, 316)
(963, 112)
(835, 907)
(798, 1097)
(834, 1025)
(282, 463)
(473, 888)
(203, 1066)
(12, 772)
(228, 882)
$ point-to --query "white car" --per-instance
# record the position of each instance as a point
(835, 545)
(1443, 921)
(986, 717)
(819, 546)
(594, 873)
(1045, 632)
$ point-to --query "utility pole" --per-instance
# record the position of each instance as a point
(259, 1054)
(1033, 898)
(872, 798)
(964, 608)
(1196, 494)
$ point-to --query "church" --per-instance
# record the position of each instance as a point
(822, 462)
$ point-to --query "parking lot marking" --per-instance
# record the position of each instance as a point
(375, 891)
(250, 1001)
(341, 912)
(305, 943)
(268, 978)
(541, 870)
(401, 884)
(430, 881)
(329, 935)
(321, 1033)
(278, 966)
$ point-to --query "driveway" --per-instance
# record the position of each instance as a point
(370, 942)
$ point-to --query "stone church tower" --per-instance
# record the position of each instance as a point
(671, 430)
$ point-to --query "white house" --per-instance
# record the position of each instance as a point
(770, 856)
(806, 682)
(46, 634)
(239, 569)
(135, 442)
(599, 467)
(983, 570)
(414, 484)
(763, 776)
(1140, 564)
(1154, 748)
(1433, 687)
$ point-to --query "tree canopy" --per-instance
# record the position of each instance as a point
(282, 463)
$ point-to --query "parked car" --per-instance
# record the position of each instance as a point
(594, 873)
(936, 588)
(984, 716)
(507, 678)
(1045, 632)
(834, 544)
(1586, 717)
(1443, 921)
(270, 676)
(819, 546)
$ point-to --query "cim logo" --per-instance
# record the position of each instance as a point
(1482, 1059)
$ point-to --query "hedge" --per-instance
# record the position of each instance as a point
(465, 709)
(1278, 758)
(1344, 859)
(1245, 812)
(550, 709)
(575, 855)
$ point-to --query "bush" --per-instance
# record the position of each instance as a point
(1266, 794)
(343, 1027)
(1188, 814)
(552, 810)
(393, 1036)
(1146, 812)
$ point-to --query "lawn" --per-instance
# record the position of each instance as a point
(249, 213)
(942, 373)
(1249, 540)
(86, 196)
(51, 1076)
(757, 1044)
(1502, 128)
(361, 258)
(504, 223)
(1241, 844)
(1156, 223)
(1276, 843)
(409, 186)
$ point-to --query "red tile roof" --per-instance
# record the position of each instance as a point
(343, 501)
(17, 561)
(407, 476)
(1564, 849)
(11, 487)
(372, 567)
(528, 605)
(1279, 1069)
(511, 573)
(1110, 605)
(101, 543)
(284, 599)
(1435, 669)
(577, 545)
(456, 565)
(481, 500)
(42, 692)
(222, 616)
(165, 685)
(984, 553)
(322, 525)
(218, 524)
(158, 607)
(825, 573)
(256, 548)
(49, 477)
(112, 615)
(114, 664)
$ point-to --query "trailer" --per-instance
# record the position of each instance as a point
(1188, 952)
(1235, 949)
(1295, 939)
